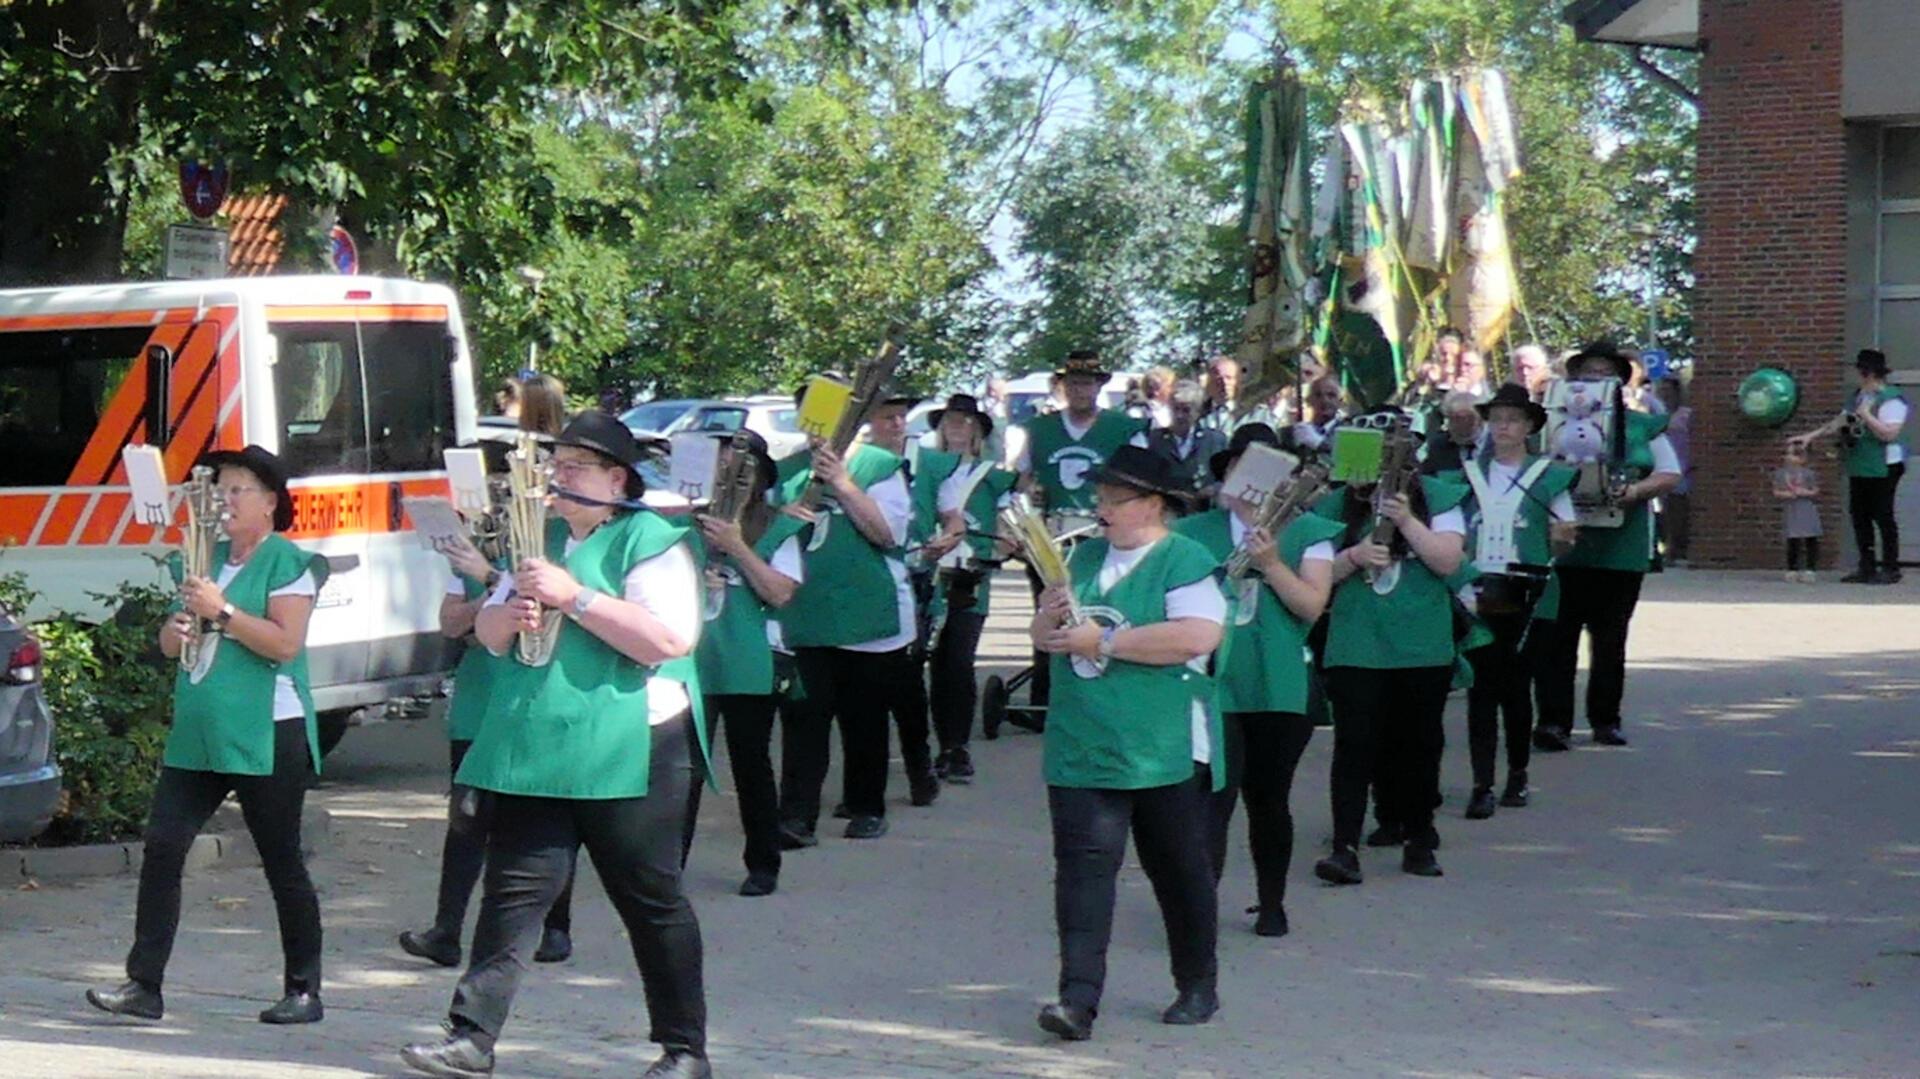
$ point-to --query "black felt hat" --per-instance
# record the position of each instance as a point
(267, 469)
(1083, 361)
(1872, 362)
(1145, 471)
(595, 430)
(1603, 350)
(966, 404)
(756, 448)
(1513, 395)
(1243, 436)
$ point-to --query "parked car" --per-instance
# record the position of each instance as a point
(771, 415)
(29, 780)
(654, 417)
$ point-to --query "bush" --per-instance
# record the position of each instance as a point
(111, 694)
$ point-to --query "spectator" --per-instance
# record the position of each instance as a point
(1326, 402)
(1183, 443)
(1460, 439)
(1223, 381)
(1157, 385)
(1796, 486)
(1471, 376)
(1532, 370)
(1677, 505)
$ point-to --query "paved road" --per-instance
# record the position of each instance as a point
(1736, 894)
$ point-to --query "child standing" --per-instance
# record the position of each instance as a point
(1796, 486)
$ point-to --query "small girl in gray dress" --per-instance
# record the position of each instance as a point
(1796, 486)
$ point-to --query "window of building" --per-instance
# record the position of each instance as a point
(1897, 273)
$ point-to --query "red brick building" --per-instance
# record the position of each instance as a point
(1809, 211)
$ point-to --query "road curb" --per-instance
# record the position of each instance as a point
(229, 847)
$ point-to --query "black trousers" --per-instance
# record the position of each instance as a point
(1870, 505)
(746, 721)
(1387, 731)
(1601, 602)
(956, 696)
(635, 844)
(464, 853)
(1040, 687)
(855, 688)
(905, 672)
(1803, 553)
(1169, 826)
(182, 802)
(1501, 696)
(1263, 750)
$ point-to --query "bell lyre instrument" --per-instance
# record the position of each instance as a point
(1041, 551)
(736, 482)
(1399, 470)
(528, 487)
(1586, 429)
(869, 382)
(206, 514)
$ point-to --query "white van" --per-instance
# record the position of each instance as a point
(358, 384)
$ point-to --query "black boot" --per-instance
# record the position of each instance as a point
(134, 999)
(923, 788)
(1195, 1005)
(960, 766)
(1270, 921)
(1480, 806)
(1340, 867)
(1386, 834)
(1609, 736)
(1863, 575)
(1417, 857)
(1517, 794)
(1070, 1023)
(465, 1053)
(433, 945)
(299, 1006)
(797, 835)
(680, 1064)
(758, 884)
(556, 946)
(1551, 739)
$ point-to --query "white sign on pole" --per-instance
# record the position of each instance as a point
(696, 461)
(195, 252)
(467, 475)
(147, 476)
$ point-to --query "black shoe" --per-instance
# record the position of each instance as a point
(1192, 1007)
(841, 812)
(680, 1064)
(760, 884)
(1340, 867)
(459, 1055)
(1516, 795)
(1270, 922)
(866, 828)
(1070, 1023)
(1863, 575)
(1551, 740)
(1888, 575)
(941, 761)
(556, 946)
(1609, 736)
(1417, 858)
(295, 1008)
(1387, 835)
(797, 835)
(1480, 806)
(432, 945)
(923, 789)
(959, 766)
(131, 999)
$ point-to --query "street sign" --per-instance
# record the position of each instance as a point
(203, 187)
(1657, 362)
(195, 252)
(342, 253)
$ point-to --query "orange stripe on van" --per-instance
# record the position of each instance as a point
(18, 515)
(80, 320)
(105, 518)
(195, 344)
(67, 511)
(363, 312)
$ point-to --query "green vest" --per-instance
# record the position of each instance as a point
(1867, 458)
(1411, 626)
(981, 510)
(577, 727)
(1061, 464)
(1265, 664)
(1132, 726)
(1630, 546)
(733, 655)
(848, 595)
(472, 681)
(224, 722)
(930, 470)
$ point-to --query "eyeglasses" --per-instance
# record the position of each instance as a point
(571, 468)
(1109, 500)
(230, 493)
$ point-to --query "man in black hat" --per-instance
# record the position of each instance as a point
(1874, 439)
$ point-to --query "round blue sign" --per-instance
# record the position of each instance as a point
(342, 253)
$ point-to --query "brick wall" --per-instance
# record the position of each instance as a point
(1771, 262)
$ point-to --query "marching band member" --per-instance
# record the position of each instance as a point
(1263, 682)
(755, 568)
(1876, 458)
(887, 429)
(1062, 447)
(1519, 511)
(246, 727)
(1136, 746)
(1600, 578)
(968, 500)
(1387, 729)
(589, 749)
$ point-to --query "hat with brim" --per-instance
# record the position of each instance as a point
(1602, 350)
(966, 404)
(267, 469)
(595, 430)
(1513, 395)
(904, 400)
(756, 448)
(1243, 436)
(1083, 361)
(1142, 470)
(1872, 362)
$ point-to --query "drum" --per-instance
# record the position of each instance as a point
(1511, 593)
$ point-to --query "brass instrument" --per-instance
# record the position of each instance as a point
(1852, 429)
(206, 512)
(1399, 470)
(1278, 510)
(1041, 551)
(868, 381)
(528, 489)
(735, 485)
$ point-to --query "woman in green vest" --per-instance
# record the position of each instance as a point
(243, 724)
(589, 749)
(1263, 680)
(1874, 439)
(1520, 512)
(1132, 740)
(1389, 663)
(968, 500)
(755, 568)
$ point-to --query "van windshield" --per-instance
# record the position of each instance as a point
(54, 384)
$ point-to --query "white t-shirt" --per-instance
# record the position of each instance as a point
(668, 586)
(787, 563)
(286, 700)
(896, 505)
(1318, 552)
(1201, 599)
(1894, 412)
(1664, 459)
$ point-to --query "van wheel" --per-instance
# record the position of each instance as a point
(333, 727)
(993, 707)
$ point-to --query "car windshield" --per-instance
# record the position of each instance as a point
(717, 419)
(784, 420)
(655, 415)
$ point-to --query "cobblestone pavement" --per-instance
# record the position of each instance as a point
(1736, 894)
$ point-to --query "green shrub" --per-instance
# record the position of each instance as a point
(111, 694)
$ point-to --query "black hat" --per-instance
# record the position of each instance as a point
(1146, 471)
(967, 404)
(1513, 395)
(756, 447)
(267, 469)
(1871, 361)
(905, 400)
(1603, 350)
(1243, 436)
(595, 430)
(1084, 361)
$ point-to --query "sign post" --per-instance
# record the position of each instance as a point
(195, 252)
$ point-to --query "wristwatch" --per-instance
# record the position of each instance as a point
(225, 616)
(1106, 641)
(581, 601)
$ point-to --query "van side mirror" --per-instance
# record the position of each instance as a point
(159, 394)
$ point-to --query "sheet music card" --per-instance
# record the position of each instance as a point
(147, 475)
(1260, 471)
(436, 522)
(695, 465)
(467, 474)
